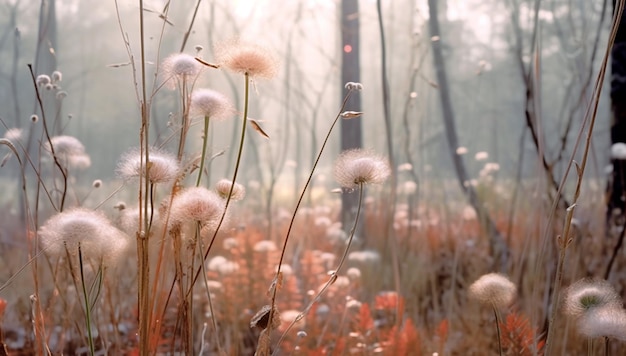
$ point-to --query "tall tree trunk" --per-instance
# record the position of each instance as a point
(351, 136)
(616, 196)
(498, 246)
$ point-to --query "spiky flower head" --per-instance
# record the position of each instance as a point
(207, 102)
(90, 229)
(196, 205)
(223, 187)
(358, 166)
(587, 294)
(162, 167)
(494, 289)
(181, 65)
(247, 58)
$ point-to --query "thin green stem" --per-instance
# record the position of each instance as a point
(497, 315)
(92, 349)
(204, 146)
(239, 155)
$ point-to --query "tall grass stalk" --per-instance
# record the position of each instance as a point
(246, 99)
(590, 117)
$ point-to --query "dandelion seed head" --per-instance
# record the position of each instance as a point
(43, 80)
(197, 205)
(14, 134)
(356, 167)
(223, 186)
(95, 234)
(353, 273)
(265, 246)
(181, 65)
(603, 322)
(587, 294)
(81, 161)
(163, 166)
(207, 102)
(494, 289)
(247, 58)
(57, 76)
(66, 146)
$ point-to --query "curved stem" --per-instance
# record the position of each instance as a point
(204, 146)
(331, 280)
(232, 186)
(92, 349)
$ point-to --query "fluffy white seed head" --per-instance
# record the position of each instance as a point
(494, 289)
(356, 167)
(43, 80)
(223, 186)
(66, 146)
(587, 294)
(13, 135)
(207, 102)
(93, 231)
(603, 322)
(162, 167)
(181, 65)
(57, 76)
(247, 58)
(197, 205)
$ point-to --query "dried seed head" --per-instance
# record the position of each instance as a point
(43, 80)
(57, 76)
(356, 167)
(181, 65)
(603, 322)
(34, 118)
(13, 135)
(207, 102)
(97, 183)
(264, 246)
(261, 319)
(587, 294)
(246, 58)
(197, 205)
(162, 167)
(494, 289)
(223, 187)
(66, 146)
(95, 234)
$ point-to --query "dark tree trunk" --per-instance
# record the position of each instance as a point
(351, 136)
(498, 246)
(616, 197)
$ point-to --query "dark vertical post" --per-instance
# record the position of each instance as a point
(351, 136)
